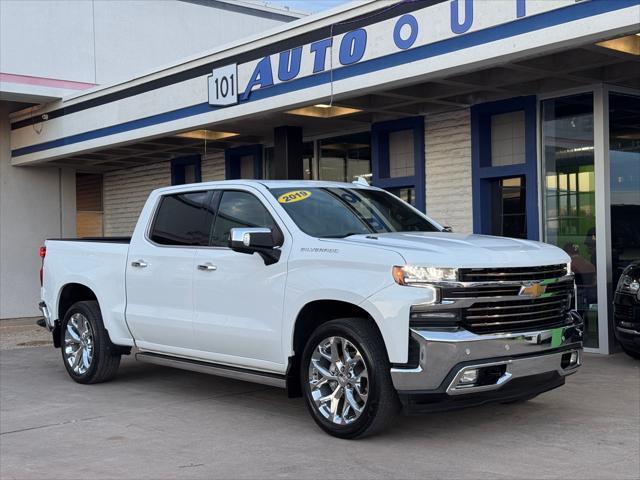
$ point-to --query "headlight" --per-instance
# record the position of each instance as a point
(414, 275)
(569, 272)
(634, 286)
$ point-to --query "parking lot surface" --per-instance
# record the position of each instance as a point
(154, 422)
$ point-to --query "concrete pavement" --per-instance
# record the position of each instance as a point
(160, 423)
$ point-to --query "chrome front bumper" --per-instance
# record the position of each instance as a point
(444, 355)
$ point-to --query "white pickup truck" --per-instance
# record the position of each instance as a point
(341, 293)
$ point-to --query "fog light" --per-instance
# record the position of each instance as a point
(570, 359)
(468, 377)
(574, 358)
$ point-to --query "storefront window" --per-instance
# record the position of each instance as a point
(509, 212)
(624, 157)
(89, 209)
(345, 158)
(508, 138)
(401, 155)
(570, 213)
(407, 194)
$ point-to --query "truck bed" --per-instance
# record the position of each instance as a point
(96, 263)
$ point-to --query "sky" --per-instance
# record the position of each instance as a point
(307, 5)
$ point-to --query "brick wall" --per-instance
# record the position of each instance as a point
(125, 191)
(448, 169)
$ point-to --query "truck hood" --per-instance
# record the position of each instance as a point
(443, 249)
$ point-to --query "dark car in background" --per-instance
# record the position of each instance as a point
(626, 310)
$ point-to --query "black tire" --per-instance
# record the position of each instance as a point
(632, 353)
(105, 357)
(382, 404)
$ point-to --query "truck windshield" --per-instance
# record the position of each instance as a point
(341, 212)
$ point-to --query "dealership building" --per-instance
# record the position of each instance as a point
(504, 117)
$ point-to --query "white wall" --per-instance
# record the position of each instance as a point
(57, 38)
(448, 169)
(92, 41)
(30, 212)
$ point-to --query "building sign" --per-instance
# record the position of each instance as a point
(427, 26)
(223, 86)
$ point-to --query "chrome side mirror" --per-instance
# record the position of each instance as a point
(255, 240)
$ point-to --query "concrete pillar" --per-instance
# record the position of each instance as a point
(36, 203)
(287, 153)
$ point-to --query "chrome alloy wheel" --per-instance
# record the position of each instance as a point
(78, 344)
(338, 380)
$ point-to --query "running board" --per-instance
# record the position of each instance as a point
(265, 378)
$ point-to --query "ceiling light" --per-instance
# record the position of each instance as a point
(629, 44)
(206, 135)
(322, 110)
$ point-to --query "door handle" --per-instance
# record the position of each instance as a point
(207, 267)
(139, 264)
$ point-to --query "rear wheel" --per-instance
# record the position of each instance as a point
(87, 352)
(346, 379)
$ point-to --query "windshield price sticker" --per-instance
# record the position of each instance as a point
(295, 196)
(223, 86)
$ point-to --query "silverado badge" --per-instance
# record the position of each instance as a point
(533, 290)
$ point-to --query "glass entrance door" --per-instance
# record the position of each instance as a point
(624, 161)
(570, 199)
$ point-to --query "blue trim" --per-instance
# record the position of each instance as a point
(380, 157)
(499, 32)
(482, 171)
(232, 161)
(178, 170)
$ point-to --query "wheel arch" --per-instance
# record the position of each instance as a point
(69, 294)
(309, 318)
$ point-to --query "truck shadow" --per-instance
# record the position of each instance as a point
(196, 387)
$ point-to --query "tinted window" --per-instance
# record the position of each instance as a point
(183, 219)
(340, 212)
(240, 210)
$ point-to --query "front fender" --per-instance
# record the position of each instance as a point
(390, 308)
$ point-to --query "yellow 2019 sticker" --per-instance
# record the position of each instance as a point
(295, 196)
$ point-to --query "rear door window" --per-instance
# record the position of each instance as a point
(183, 219)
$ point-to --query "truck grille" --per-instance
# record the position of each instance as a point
(512, 274)
(498, 290)
(626, 319)
(623, 310)
(498, 308)
(514, 315)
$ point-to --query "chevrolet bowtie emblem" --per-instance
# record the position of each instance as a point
(533, 290)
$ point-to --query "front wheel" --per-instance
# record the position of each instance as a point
(87, 352)
(346, 379)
